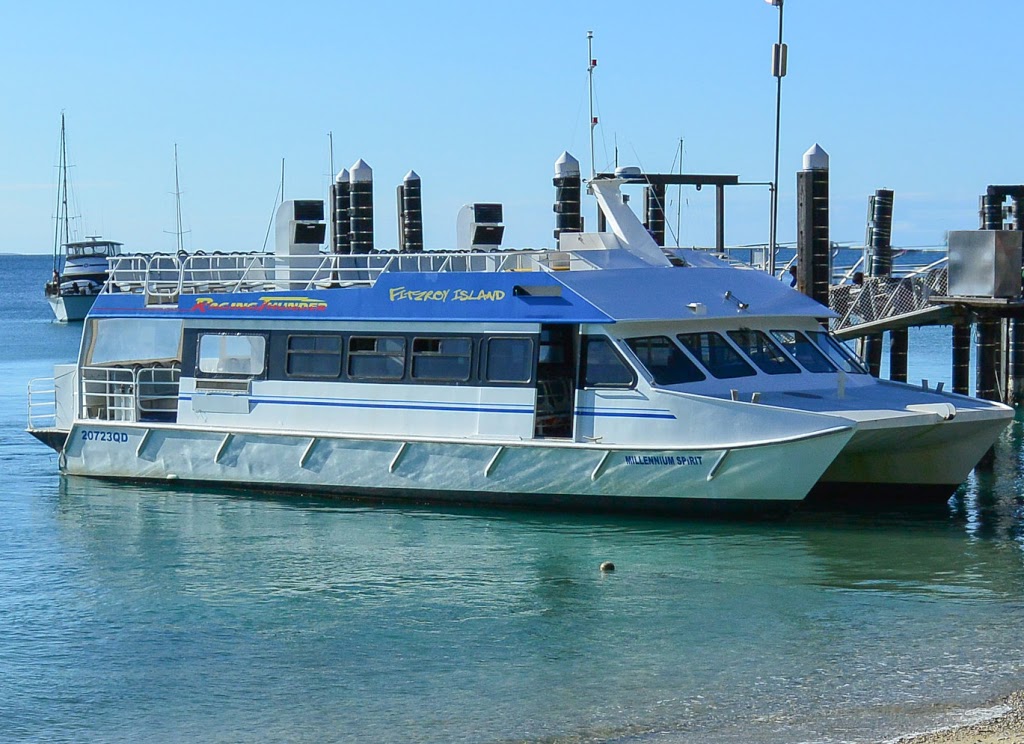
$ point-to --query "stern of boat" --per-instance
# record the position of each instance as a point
(52, 406)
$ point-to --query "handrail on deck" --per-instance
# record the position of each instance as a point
(42, 403)
(165, 277)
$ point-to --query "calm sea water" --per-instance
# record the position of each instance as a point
(166, 615)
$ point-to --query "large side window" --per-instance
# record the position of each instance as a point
(313, 356)
(376, 357)
(231, 355)
(717, 356)
(804, 351)
(766, 353)
(665, 361)
(441, 359)
(508, 360)
(602, 365)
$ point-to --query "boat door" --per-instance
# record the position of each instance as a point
(556, 381)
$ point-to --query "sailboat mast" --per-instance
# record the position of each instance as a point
(62, 201)
(177, 198)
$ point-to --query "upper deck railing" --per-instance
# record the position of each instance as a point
(164, 277)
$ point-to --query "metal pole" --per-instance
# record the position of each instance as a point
(590, 77)
(779, 65)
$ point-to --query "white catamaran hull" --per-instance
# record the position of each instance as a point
(70, 308)
(748, 478)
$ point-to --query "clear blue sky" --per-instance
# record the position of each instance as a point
(922, 96)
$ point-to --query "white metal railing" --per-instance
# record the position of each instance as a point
(129, 393)
(42, 403)
(163, 277)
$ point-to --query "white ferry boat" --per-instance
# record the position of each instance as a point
(77, 282)
(608, 373)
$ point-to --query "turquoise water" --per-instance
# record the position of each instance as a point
(133, 613)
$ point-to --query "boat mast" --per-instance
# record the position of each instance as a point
(62, 200)
(591, 64)
(679, 194)
(177, 199)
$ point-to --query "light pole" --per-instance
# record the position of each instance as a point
(779, 71)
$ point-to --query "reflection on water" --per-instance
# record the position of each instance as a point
(434, 624)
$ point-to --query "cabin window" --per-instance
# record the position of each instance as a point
(838, 353)
(603, 366)
(233, 355)
(509, 360)
(665, 361)
(716, 355)
(441, 359)
(765, 353)
(804, 351)
(376, 357)
(313, 356)
(133, 340)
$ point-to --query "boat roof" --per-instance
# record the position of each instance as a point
(611, 295)
(91, 242)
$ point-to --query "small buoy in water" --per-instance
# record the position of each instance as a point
(607, 566)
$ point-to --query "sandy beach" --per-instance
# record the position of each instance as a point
(1006, 728)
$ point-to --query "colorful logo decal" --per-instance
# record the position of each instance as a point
(398, 294)
(306, 304)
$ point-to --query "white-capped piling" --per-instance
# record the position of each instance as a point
(812, 226)
(568, 216)
(341, 224)
(361, 206)
(410, 214)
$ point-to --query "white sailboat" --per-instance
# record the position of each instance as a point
(79, 267)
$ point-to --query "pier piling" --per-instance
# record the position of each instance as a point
(568, 215)
(341, 224)
(361, 206)
(654, 210)
(812, 265)
(962, 358)
(410, 214)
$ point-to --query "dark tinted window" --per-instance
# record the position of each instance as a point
(665, 361)
(441, 359)
(602, 365)
(717, 356)
(799, 346)
(509, 360)
(376, 357)
(765, 353)
(838, 353)
(313, 356)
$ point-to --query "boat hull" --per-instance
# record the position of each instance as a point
(903, 463)
(71, 308)
(750, 479)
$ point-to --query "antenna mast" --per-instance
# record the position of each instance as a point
(330, 139)
(591, 64)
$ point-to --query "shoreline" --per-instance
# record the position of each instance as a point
(1006, 727)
